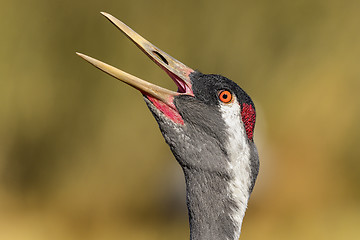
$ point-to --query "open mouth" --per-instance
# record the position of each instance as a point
(159, 96)
(180, 83)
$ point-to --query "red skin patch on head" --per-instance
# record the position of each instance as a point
(168, 111)
(248, 115)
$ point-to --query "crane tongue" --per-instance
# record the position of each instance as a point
(175, 69)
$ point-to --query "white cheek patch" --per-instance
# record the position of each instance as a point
(239, 159)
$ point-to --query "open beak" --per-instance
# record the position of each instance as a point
(175, 69)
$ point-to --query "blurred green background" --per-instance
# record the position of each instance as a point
(81, 157)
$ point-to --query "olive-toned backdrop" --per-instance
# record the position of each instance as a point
(81, 157)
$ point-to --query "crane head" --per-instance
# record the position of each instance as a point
(208, 123)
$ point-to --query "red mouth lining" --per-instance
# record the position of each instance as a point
(181, 84)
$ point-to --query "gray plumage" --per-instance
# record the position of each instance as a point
(208, 124)
(200, 148)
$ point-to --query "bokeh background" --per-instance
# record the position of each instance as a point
(81, 157)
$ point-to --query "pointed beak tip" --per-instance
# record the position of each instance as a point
(105, 14)
(83, 56)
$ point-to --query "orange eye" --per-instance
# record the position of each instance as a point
(225, 96)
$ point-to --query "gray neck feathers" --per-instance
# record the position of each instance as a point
(210, 206)
(217, 201)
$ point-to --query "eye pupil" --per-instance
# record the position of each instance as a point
(225, 96)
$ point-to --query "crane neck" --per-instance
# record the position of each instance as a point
(213, 213)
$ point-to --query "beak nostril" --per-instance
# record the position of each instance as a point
(161, 57)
